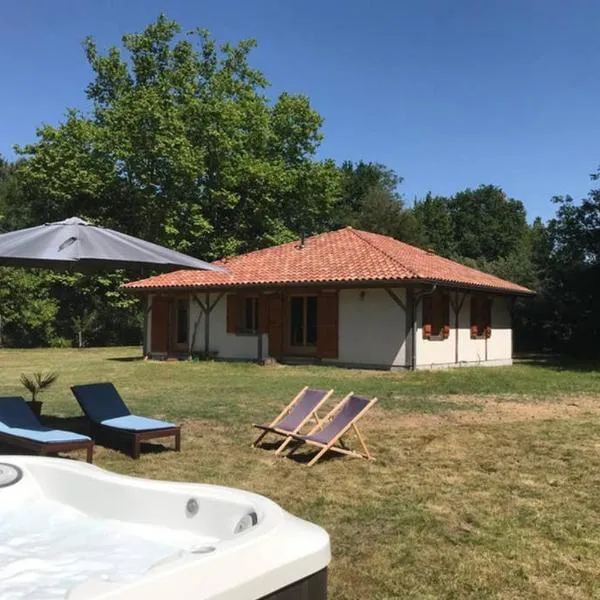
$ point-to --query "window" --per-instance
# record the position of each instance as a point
(249, 316)
(303, 321)
(481, 317)
(182, 321)
(243, 314)
(436, 316)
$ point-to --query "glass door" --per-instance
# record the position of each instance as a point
(303, 324)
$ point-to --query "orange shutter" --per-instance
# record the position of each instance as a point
(327, 325)
(274, 323)
(427, 315)
(232, 313)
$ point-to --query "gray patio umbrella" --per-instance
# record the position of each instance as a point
(80, 246)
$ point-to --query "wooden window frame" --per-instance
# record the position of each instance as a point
(241, 328)
(430, 303)
(481, 317)
(304, 298)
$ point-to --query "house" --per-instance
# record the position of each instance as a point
(347, 297)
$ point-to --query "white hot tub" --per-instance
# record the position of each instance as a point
(71, 530)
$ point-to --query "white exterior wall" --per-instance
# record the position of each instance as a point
(497, 350)
(372, 329)
(225, 345)
(371, 334)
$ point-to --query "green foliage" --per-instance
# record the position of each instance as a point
(183, 147)
(38, 382)
(568, 305)
(27, 308)
(482, 224)
(487, 223)
(85, 324)
(437, 226)
(12, 204)
(370, 200)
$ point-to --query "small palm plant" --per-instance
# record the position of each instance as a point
(35, 384)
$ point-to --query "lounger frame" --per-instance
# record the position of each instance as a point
(337, 439)
(44, 448)
(272, 426)
(137, 437)
(97, 430)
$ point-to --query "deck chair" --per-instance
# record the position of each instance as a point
(109, 415)
(328, 434)
(20, 427)
(295, 415)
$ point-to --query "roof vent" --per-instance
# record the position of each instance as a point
(301, 242)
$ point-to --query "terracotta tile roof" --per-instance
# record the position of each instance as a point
(344, 256)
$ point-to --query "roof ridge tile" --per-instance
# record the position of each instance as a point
(357, 233)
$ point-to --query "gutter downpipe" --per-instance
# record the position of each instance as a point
(416, 299)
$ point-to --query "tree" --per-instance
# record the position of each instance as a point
(487, 224)
(570, 293)
(436, 222)
(27, 309)
(183, 147)
(11, 196)
(370, 200)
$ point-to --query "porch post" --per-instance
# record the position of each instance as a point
(207, 325)
(259, 341)
(189, 324)
(147, 309)
(457, 307)
(409, 341)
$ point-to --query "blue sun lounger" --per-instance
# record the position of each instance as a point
(109, 415)
(20, 427)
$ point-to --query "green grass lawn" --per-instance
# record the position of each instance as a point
(486, 483)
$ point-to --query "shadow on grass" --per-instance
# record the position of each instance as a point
(557, 362)
(126, 359)
(300, 458)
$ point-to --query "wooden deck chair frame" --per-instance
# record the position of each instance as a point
(272, 426)
(341, 449)
(44, 448)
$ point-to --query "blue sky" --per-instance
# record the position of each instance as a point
(449, 93)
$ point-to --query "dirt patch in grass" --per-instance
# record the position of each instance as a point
(494, 410)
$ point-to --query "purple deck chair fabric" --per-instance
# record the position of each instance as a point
(301, 410)
(340, 421)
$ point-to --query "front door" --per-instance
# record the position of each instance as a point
(302, 329)
(159, 343)
(170, 325)
(180, 325)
